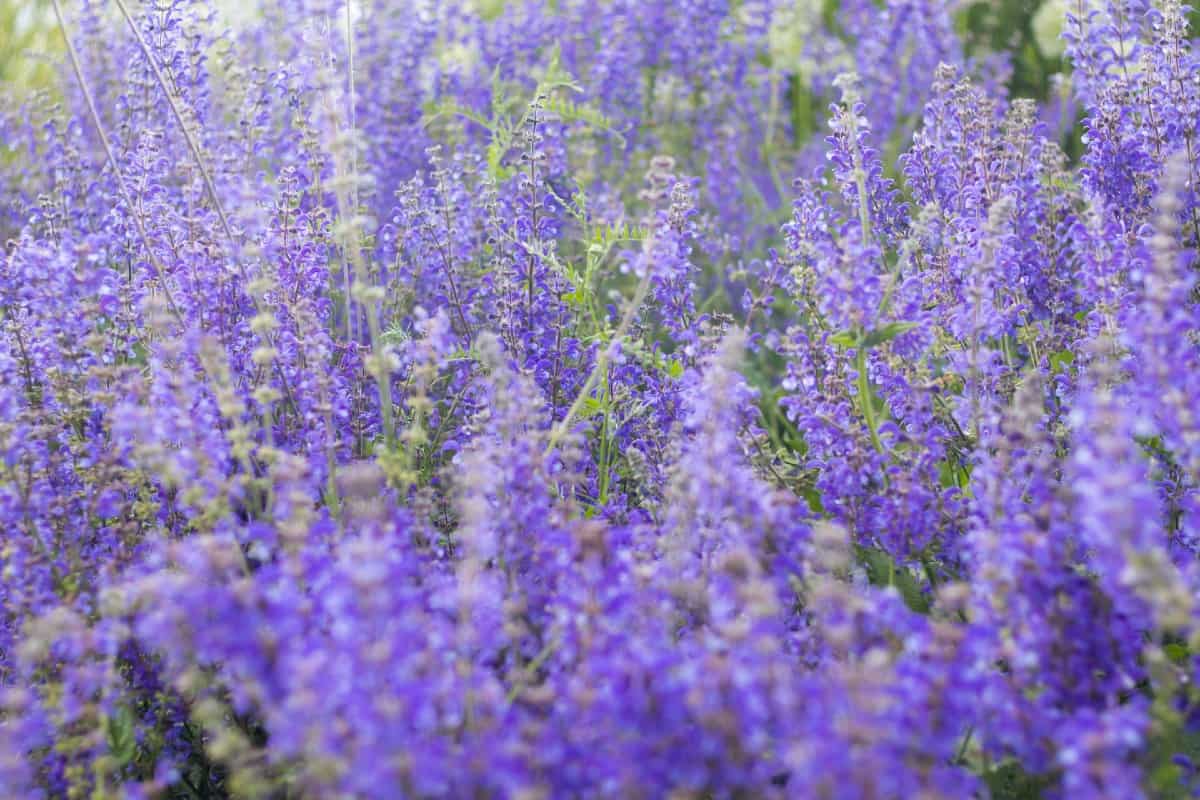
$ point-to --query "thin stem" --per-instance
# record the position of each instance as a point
(353, 105)
(602, 360)
(602, 492)
(361, 291)
(209, 187)
(864, 397)
(126, 197)
(962, 749)
(860, 183)
(350, 116)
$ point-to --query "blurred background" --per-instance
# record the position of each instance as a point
(30, 42)
(1027, 31)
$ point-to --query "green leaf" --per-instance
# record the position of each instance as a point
(1061, 361)
(947, 474)
(885, 333)
(495, 152)
(882, 570)
(122, 743)
(844, 339)
(576, 298)
(1010, 781)
(452, 108)
(590, 408)
(569, 111)
(1178, 653)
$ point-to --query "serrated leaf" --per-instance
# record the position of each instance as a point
(452, 108)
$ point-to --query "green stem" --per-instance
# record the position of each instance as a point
(864, 397)
(602, 497)
(601, 364)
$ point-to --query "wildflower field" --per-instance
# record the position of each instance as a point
(547, 399)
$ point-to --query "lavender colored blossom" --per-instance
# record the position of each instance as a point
(601, 398)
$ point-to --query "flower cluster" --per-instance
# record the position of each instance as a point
(601, 398)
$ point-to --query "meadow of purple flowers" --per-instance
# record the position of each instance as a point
(460, 399)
